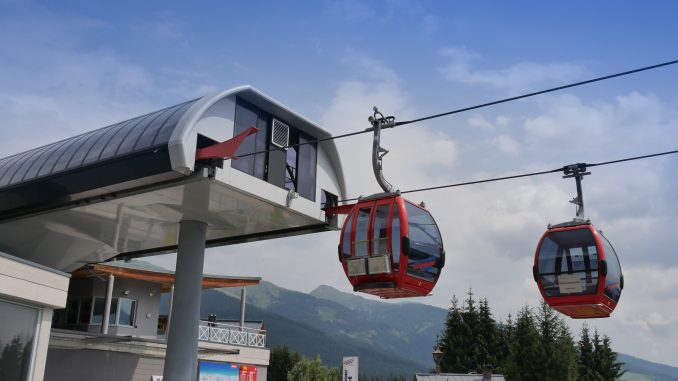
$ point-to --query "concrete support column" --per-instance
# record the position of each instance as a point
(107, 304)
(243, 297)
(182, 341)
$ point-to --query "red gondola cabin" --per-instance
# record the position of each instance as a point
(577, 271)
(391, 247)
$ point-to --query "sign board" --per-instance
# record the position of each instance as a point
(156, 378)
(223, 371)
(248, 373)
(349, 371)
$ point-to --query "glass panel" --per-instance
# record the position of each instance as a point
(26, 164)
(395, 237)
(113, 144)
(67, 152)
(244, 119)
(379, 230)
(131, 139)
(85, 311)
(84, 148)
(72, 310)
(425, 243)
(17, 332)
(568, 263)
(614, 273)
(98, 312)
(146, 139)
(361, 227)
(102, 143)
(11, 168)
(166, 131)
(260, 145)
(128, 309)
(291, 169)
(307, 167)
(346, 239)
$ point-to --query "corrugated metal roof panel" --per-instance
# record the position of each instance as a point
(135, 135)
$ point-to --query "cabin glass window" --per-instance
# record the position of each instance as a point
(425, 244)
(568, 263)
(395, 237)
(346, 239)
(379, 231)
(361, 230)
(613, 278)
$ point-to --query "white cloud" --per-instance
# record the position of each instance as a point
(521, 76)
(506, 144)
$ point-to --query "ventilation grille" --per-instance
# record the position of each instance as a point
(281, 134)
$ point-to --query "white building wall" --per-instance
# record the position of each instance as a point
(38, 287)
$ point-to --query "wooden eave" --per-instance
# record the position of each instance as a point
(165, 280)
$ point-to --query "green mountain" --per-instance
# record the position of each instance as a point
(315, 326)
(389, 338)
(639, 369)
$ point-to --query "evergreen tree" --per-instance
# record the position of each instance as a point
(502, 350)
(609, 368)
(489, 333)
(311, 370)
(567, 352)
(281, 362)
(586, 366)
(525, 359)
(547, 321)
(472, 339)
(452, 343)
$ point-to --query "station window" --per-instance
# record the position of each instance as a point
(17, 340)
(292, 168)
(90, 310)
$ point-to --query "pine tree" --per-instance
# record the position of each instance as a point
(472, 340)
(452, 343)
(547, 321)
(311, 370)
(586, 367)
(281, 362)
(489, 333)
(609, 368)
(565, 353)
(525, 359)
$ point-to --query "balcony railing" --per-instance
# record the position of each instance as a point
(231, 334)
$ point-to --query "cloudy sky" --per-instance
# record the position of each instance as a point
(72, 66)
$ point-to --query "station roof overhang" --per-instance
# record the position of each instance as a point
(122, 190)
(164, 278)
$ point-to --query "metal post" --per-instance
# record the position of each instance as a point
(169, 312)
(107, 304)
(580, 197)
(182, 341)
(243, 297)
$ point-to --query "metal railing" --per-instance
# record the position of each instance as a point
(231, 334)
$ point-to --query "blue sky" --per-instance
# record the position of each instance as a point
(71, 66)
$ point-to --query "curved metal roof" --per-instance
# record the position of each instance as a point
(143, 133)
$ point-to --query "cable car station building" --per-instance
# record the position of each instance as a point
(161, 183)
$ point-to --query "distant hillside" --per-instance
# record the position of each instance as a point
(389, 338)
(291, 328)
(360, 321)
(639, 369)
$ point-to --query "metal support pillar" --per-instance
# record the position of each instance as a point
(243, 298)
(182, 341)
(107, 304)
(169, 312)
